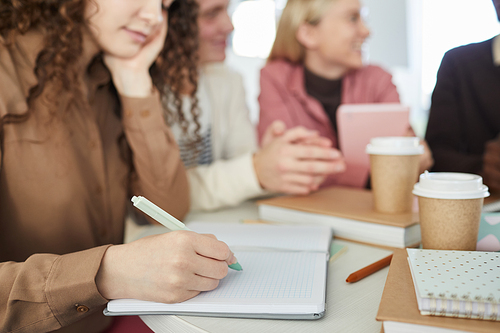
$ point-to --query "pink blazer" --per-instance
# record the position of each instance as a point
(283, 96)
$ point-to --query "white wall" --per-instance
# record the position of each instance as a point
(387, 44)
(250, 70)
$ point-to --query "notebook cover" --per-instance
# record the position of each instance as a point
(399, 302)
(488, 238)
(346, 202)
(357, 125)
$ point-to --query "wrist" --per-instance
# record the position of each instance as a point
(133, 84)
(106, 279)
(256, 167)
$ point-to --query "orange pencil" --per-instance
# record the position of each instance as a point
(370, 269)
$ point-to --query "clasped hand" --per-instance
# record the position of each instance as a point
(295, 161)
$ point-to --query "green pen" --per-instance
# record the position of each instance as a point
(166, 219)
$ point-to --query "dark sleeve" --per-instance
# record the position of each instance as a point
(446, 127)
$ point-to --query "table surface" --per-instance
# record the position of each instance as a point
(350, 307)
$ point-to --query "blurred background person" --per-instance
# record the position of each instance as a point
(464, 120)
(315, 65)
(218, 142)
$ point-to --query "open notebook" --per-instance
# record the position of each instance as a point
(284, 275)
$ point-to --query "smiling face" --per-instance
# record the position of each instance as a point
(335, 42)
(122, 27)
(215, 26)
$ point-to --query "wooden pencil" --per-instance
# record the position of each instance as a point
(370, 269)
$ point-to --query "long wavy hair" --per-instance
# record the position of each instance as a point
(63, 24)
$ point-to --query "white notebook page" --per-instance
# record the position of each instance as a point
(295, 238)
(271, 282)
(284, 273)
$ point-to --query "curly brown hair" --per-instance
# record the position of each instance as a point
(63, 22)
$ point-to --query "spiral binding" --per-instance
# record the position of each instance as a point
(455, 306)
(444, 303)
(494, 308)
(468, 306)
(438, 306)
(461, 284)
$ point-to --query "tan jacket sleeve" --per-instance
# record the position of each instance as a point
(159, 172)
(47, 292)
(42, 293)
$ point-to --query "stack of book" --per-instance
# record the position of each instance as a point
(441, 291)
(488, 238)
(350, 214)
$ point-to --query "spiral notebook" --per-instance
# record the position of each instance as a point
(464, 284)
(283, 277)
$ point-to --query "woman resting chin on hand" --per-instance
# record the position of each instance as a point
(82, 130)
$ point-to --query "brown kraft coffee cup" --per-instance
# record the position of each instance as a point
(394, 163)
(450, 206)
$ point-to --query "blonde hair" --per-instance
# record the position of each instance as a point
(296, 12)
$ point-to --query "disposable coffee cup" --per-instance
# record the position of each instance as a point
(450, 207)
(394, 163)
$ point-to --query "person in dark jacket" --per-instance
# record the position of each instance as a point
(464, 121)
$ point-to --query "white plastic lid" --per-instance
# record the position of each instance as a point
(395, 145)
(450, 185)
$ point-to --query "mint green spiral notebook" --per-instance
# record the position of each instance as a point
(462, 284)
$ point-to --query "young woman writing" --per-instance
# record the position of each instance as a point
(82, 131)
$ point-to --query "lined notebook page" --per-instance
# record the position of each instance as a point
(460, 283)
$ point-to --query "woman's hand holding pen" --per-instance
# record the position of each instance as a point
(168, 268)
(295, 161)
(131, 75)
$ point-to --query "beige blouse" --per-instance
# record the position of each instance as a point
(64, 190)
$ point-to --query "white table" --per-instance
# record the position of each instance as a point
(350, 307)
